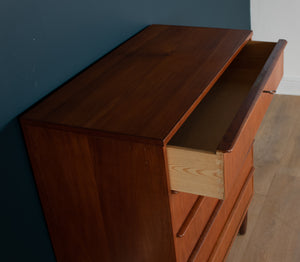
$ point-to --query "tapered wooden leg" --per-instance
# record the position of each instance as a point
(243, 227)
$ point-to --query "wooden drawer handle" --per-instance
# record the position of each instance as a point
(187, 222)
(272, 92)
(205, 232)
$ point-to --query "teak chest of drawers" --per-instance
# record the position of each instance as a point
(147, 155)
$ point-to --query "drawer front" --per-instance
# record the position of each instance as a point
(186, 234)
(232, 224)
(273, 76)
(234, 159)
(253, 107)
(222, 211)
(181, 204)
(207, 152)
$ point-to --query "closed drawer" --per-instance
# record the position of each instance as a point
(221, 221)
(189, 221)
(198, 232)
(208, 150)
(232, 224)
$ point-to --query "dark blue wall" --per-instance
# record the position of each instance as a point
(43, 44)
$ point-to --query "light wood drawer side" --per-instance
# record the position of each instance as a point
(196, 172)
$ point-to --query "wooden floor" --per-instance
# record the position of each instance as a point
(274, 215)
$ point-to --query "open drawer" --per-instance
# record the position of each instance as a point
(207, 152)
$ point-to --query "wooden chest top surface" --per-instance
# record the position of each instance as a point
(147, 86)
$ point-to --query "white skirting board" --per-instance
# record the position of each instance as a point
(289, 86)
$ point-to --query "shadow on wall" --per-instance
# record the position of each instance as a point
(23, 230)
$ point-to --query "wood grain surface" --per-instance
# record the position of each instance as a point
(268, 79)
(181, 204)
(100, 154)
(184, 245)
(146, 87)
(218, 120)
(191, 216)
(64, 173)
(196, 172)
(102, 206)
(233, 222)
(209, 236)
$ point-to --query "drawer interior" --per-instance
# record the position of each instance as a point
(220, 130)
(206, 126)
